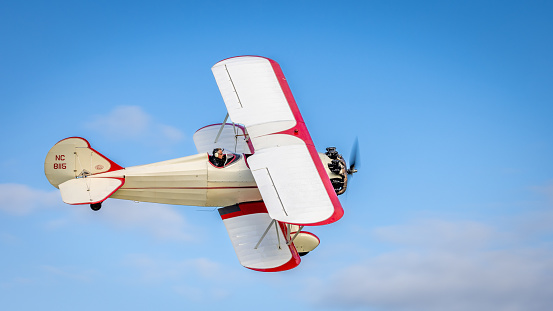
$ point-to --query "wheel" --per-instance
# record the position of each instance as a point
(96, 206)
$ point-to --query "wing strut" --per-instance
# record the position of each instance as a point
(221, 129)
(290, 240)
(278, 236)
(295, 235)
(265, 233)
(233, 128)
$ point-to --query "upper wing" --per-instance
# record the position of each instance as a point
(253, 94)
(286, 166)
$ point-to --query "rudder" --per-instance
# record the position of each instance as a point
(73, 157)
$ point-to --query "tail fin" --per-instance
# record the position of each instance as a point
(73, 157)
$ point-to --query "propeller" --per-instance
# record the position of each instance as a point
(353, 157)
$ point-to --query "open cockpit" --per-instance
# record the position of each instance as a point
(220, 159)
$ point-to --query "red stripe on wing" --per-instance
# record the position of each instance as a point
(300, 131)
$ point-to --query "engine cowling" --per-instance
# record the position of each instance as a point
(336, 169)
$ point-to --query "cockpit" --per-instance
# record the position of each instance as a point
(221, 159)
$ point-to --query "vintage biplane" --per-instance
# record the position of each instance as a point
(270, 181)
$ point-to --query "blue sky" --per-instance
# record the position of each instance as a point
(451, 101)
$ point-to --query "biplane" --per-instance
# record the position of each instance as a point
(261, 170)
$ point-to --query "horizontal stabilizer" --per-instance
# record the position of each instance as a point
(259, 242)
(89, 190)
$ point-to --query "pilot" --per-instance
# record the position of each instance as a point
(219, 159)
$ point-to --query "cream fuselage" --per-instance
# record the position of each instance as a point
(191, 180)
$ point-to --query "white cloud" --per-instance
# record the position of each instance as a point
(151, 269)
(440, 234)
(159, 220)
(157, 271)
(160, 270)
(18, 199)
(131, 122)
(546, 190)
(121, 122)
(192, 292)
(438, 275)
(7, 238)
(16, 282)
(171, 133)
(73, 273)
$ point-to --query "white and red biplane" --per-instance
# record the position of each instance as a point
(272, 185)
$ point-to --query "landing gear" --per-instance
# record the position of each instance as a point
(96, 206)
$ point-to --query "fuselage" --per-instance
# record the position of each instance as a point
(191, 180)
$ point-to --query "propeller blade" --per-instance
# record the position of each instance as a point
(353, 157)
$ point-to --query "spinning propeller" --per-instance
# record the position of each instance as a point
(353, 157)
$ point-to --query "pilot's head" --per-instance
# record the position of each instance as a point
(218, 152)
